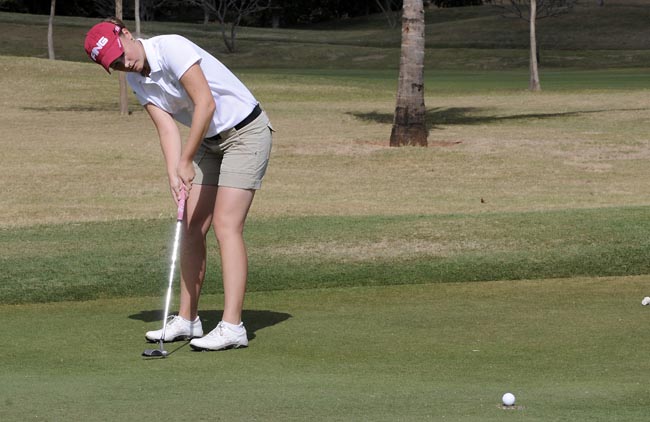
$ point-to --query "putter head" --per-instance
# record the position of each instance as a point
(154, 353)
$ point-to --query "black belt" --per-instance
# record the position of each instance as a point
(247, 120)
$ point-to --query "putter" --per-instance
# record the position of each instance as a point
(161, 352)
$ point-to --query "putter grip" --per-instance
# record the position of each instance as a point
(181, 205)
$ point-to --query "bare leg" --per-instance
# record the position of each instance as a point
(230, 213)
(199, 209)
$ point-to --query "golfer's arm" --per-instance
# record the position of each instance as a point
(170, 138)
(196, 86)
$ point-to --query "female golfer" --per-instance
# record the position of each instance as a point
(220, 165)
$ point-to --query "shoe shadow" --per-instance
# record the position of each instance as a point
(253, 319)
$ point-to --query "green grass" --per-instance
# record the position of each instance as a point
(569, 349)
(92, 260)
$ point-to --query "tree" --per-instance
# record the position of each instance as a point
(124, 105)
(149, 8)
(136, 14)
(206, 11)
(409, 126)
(233, 11)
(50, 31)
(386, 7)
(457, 3)
(105, 8)
(531, 11)
(533, 84)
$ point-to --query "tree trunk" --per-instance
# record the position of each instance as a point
(534, 84)
(206, 12)
(136, 12)
(124, 105)
(409, 126)
(275, 18)
(227, 38)
(384, 6)
(233, 33)
(50, 31)
(221, 11)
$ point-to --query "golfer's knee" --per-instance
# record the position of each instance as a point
(226, 230)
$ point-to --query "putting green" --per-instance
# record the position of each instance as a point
(569, 349)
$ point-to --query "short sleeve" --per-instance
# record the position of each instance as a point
(178, 55)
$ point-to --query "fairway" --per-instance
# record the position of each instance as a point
(426, 352)
(385, 284)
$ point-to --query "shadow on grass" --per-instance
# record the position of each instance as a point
(253, 319)
(475, 116)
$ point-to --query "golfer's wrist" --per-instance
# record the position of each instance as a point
(184, 161)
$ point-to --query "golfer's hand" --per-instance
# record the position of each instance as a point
(185, 172)
(175, 186)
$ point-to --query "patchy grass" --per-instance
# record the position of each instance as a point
(565, 148)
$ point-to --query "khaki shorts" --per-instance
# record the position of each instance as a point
(237, 160)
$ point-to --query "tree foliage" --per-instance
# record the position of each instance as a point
(39, 7)
(291, 12)
(457, 3)
(545, 8)
(230, 13)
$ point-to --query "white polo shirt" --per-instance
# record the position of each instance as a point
(169, 57)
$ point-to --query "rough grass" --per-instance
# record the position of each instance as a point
(491, 140)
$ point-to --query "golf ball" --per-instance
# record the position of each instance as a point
(645, 301)
(508, 399)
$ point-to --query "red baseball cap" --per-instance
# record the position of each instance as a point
(103, 44)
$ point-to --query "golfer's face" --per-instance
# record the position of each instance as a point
(131, 60)
(119, 64)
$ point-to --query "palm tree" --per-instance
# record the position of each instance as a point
(409, 126)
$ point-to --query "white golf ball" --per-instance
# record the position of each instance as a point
(645, 301)
(508, 399)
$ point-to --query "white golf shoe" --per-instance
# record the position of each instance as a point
(221, 338)
(177, 329)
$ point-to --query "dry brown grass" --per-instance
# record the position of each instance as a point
(69, 157)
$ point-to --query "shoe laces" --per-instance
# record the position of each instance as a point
(171, 319)
(218, 331)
